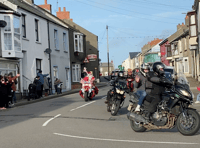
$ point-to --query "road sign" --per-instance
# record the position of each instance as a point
(86, 60)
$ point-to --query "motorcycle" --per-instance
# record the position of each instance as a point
(130, 84)
(172, 111)
(89, 90)
(116, 97)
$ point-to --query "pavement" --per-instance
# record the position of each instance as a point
(25, 101)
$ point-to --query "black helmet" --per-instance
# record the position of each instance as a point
(143, 67)
(157, 66)
(120, 74)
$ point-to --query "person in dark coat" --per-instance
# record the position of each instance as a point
(38, 85)
(3, 93)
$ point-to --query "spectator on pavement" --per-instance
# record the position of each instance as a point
(38, 85)
(13, 80)
(46, 86)
(56, 82)
(41, 80)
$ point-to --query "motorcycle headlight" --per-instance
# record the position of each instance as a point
(117, 90)
(185, 93)
(121, 92)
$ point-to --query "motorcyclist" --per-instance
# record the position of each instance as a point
(159, 82)
(120, 76)
(140, 83)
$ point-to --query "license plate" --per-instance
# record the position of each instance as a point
(129, 107)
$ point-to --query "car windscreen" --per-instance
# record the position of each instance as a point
(169, 70)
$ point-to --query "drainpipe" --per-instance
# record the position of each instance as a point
(50, 89)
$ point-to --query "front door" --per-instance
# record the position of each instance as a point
(67, 79)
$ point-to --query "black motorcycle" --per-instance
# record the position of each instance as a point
(116, 96)
(172, 111)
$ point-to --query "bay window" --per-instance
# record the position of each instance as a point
(76, 72)
(12, 34)
(78, 42)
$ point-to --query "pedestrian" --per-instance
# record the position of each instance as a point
(38, 85)
(9, 95)
(56, 82)
(14, 82)
(46, 86)
(41, 80)
(3, 93)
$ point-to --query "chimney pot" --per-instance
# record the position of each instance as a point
(59, 10)
(64, 9)
(45, 2)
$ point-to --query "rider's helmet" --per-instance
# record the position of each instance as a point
(120, 74)
(144, 67)
(158, 67)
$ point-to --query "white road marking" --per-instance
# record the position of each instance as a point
(45, 124)
(129, 141)
(82, 106)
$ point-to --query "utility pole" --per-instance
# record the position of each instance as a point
(107, 50)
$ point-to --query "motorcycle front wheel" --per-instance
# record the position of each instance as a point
(115, 107)
(86, 96)
(188, 124)
(136, 126)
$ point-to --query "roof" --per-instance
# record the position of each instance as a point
(133, 54)
(34, 9)
(4, 7)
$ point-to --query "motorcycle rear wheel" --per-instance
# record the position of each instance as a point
(190, 125)
(86, 96)
(115, 107)
(136, 126)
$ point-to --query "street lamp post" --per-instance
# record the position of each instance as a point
(107, 50)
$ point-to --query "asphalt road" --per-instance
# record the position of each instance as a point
(70, 122)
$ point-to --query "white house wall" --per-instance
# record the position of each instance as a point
(60, 58)
(32, 49)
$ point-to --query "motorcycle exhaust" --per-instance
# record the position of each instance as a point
(136, 117)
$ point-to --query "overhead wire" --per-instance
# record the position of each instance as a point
(132, 10)
(125, 14)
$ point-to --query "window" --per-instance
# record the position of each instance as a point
(56, 39)
(78, 42)
(8, 34)
(65, 45)
(169, 53)
(24, 25)
(38, 65)
(36, 30)
(186, 65)
(17, 35)
(55, 72)
(76, 72)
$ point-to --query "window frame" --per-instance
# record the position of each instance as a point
(77, 68)
(56, 40)
(55, 69)
(24, 26)
(37, 38)
(16, 33)
(40, 62)
(79, 38)
(184, 59)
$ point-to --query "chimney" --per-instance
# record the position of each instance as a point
(46, 6)
(187, 21)
(178, 26)
(30, 1)
(63, 14)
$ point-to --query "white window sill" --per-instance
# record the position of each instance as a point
(57, 50)
(25, 39)
(38, 42)
(66, 51)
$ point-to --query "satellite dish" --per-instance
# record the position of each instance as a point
(48, 51)
(3, 23)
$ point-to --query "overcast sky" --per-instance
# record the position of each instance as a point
(131, 23)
